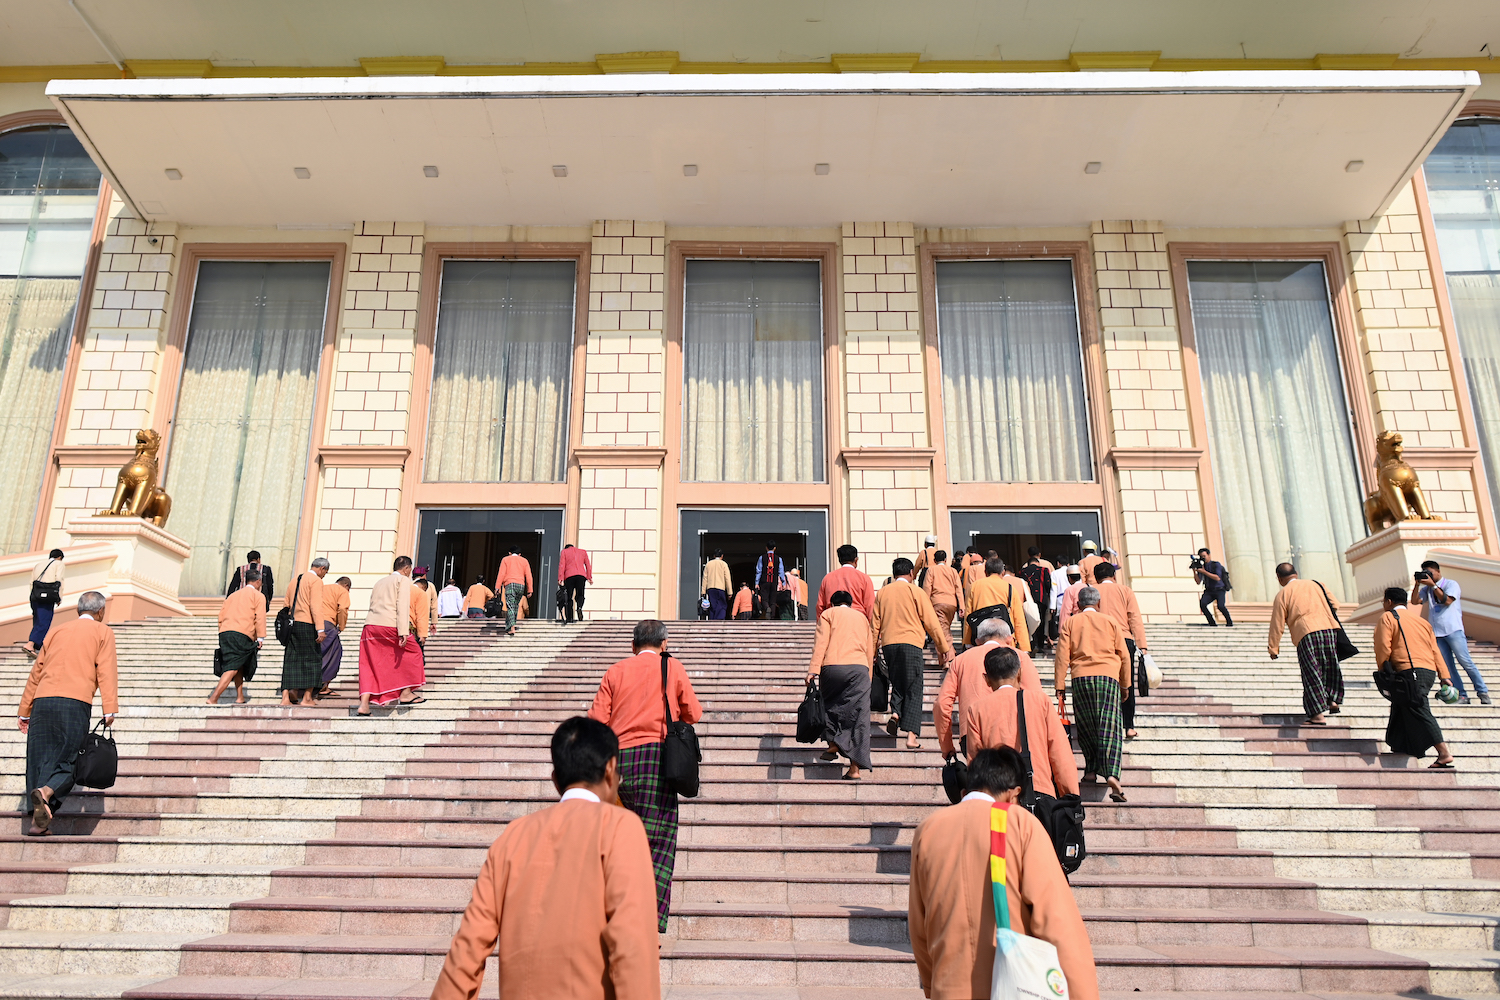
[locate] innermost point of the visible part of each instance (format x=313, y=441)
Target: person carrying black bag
x=648, y=701
x=77, y=659
x=46, y=595
x=1409, y=662
x=843, y=666
x=1305, y=607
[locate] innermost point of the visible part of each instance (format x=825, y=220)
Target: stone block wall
x=619, y=524
x=889, y=512
x=357, y=513
x=885, y=384
x=622, y=402
x=377, y=335
x=116, y=388
x=80, y=491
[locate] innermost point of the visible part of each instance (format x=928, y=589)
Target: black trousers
x=906, y=669
x=573, y=588
x=768, y=600
x=1039, y=637
x=1210, y=597
x=1127, y=707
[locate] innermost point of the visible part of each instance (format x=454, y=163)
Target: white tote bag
x=1153, y=672
x=1026, y=968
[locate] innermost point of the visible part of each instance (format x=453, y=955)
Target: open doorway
x=801, y=538
x=463, y=544
x=1059, y=534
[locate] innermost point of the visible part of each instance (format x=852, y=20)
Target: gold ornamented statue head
x=1398, y=495
x=136, y=492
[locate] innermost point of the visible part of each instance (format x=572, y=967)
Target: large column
x=620, y=460
x=888, y=455
x=1152, y=451
x=359, y=492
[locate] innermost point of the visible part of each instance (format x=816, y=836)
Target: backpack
x=1062, y=818
x=284, y=616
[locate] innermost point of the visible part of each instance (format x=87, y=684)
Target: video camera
x=1195, y=561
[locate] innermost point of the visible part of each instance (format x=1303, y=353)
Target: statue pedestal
x=1389, y=557
x=147, y=569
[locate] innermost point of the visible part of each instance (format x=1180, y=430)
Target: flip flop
x=415, y=701
x=41, y=816
x=1117, y=796
x=891, y=726
x=363, y=715
x=1311, y=722
x=829, y=755
x=1435, y=766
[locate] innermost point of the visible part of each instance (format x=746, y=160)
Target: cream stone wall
x=622, y=403
x=885, y=385
x=114, y=394
x=357, y=511
x=377, y=336
x=889, y=512
x=619, y=525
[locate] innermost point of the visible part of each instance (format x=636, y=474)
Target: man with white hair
x=302, y=664
x=77, y=659
x=964, y=682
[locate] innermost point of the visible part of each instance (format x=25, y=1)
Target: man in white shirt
x=450, y=601
x=1446, y=616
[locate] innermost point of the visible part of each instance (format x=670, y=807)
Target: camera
x=1422, y=576
x=1195, y=561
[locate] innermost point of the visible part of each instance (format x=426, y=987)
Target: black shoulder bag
x=284, y=617
x=98, y=762
x=680, y=753
x=955, y=778
x=46, y=593
x=812, y=718
x=1392, y=682
x=1062, y=818
x=1342, y=645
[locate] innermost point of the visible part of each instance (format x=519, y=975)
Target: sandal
x=41, y=816
x=891, y=726
x=829, y=755
x=1117, y=796
x=415, y=701
x=364, y=715
x=1316, y=722
x=1438, y=765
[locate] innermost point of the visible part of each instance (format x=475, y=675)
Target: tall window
x=500, y=372
x=49, y=190
x=244, y=415
x=1013, y=397
x=1278, y=422
x=1463, y=176
x=752, y=364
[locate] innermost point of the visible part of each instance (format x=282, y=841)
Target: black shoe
x=1229, y=624
x=1211, y=623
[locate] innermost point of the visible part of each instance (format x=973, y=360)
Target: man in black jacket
x=237, y=578
x=1215, y=580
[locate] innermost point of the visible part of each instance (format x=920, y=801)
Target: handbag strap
x=1331, y=608
x=665, y=704
x=1028, y=790
x=296, y=593
x=999, y=814
x=44, y=571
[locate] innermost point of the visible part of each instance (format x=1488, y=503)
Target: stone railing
x=1479, y=577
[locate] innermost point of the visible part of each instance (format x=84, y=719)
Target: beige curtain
x=501, y=372
x=1278, y=423
x=1476, y=311
x=1013, y=396
x=36, y=319
x=244, y=415
x=752, y=358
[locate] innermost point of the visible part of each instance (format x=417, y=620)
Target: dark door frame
x=693, y=521
x=545, y=521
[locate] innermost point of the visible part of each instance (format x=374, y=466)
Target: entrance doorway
x=801, y=538
x=464, y=543
x=1060, y=534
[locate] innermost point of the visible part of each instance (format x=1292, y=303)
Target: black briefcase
x=98, y=763
x=812, y=718
x=955, y=778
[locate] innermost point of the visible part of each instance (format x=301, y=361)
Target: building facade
x=468, y=311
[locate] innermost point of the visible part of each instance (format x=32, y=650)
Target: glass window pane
x=244, y=414
x=501, y=370
x=1278, y=422
x=752, y=364
x=48, y=195
x=1463, y=177
x=1014, y=409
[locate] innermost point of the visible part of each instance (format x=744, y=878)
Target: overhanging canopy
x=1257, y=149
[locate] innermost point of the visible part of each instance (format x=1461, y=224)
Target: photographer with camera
x=1215, y=579
x=1446, y=616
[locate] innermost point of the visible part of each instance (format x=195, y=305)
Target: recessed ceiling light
x=173, y=174
x=429, y=171
x=690, y=170
x=559, y=170
x=1353, y=166
x=301, y=173
x=820, y=169
x=1093, y=167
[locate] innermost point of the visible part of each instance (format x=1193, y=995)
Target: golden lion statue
x=136, y=492
x=1399, y=496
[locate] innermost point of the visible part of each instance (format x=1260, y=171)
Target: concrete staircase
x=309, y=853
